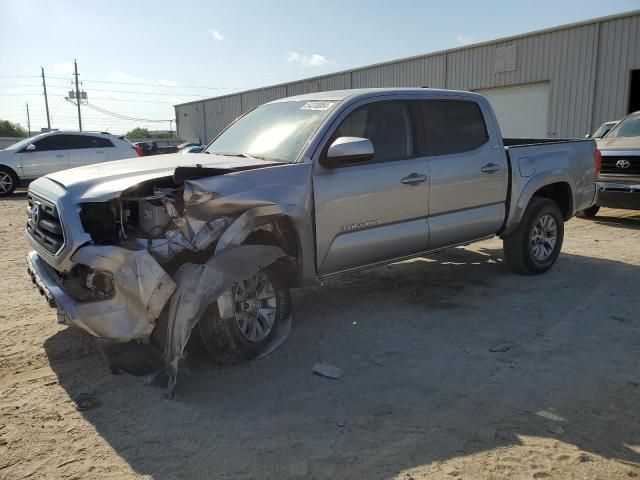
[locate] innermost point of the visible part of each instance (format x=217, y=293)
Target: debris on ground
x=550, y=416
x=450, y=470
x=557, y=429
x=501, y=347
x=326, y=370
x=86, y=401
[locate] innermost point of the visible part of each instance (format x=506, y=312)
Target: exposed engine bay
x=212, y=248
x=181, y=229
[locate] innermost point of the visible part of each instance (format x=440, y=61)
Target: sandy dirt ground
x=453, y=368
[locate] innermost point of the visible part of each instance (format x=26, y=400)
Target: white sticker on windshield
x=317, y=105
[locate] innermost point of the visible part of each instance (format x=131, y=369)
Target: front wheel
x=8, y=181
x=534, y=246
x=242, y=322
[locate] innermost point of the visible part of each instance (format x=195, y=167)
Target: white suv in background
x=53, y=151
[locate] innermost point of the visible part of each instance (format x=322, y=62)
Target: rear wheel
x=8, y=181
x=244, y=320
x=534, y=246
x=589, y=212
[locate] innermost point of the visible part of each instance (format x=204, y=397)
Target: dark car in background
x=145, y=149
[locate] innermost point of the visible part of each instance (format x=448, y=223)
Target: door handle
x=414, y=179
x=490, y=168
x=60, y=155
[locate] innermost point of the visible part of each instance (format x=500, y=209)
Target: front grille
x=43, y=224
x=614, y=165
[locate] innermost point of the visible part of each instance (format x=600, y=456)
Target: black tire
x=518, y=246
x=6, y=174
x=223, y=338
x=589, y=212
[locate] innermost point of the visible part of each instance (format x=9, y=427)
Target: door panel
x=365, y=214
x=465, y=201
x=84, y=150
x=36, y=164
x=468, y=171
x=464, y=225
x=372, y=212
x=86, y=156
x=51, y=155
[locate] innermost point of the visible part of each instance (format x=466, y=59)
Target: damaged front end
x=163, y=252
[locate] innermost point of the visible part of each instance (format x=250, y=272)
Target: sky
x=136, y=59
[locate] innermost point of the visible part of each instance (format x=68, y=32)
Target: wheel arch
x=285, y=226
x=556, y=186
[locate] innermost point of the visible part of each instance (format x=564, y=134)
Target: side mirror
x=588, y=135
x=347, y=151
x=30, y=148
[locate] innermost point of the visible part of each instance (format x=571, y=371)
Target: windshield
x=604, y=128
x=629, y=127
x=276, y=131
x=23, y=143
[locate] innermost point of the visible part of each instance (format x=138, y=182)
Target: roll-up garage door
x=522, y=110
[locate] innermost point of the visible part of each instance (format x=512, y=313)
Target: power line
x=158, y=85
x=118, y=115
x=138, y=83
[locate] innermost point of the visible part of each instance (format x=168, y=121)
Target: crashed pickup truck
x=142, y=251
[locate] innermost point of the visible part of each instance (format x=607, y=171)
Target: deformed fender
x=519, y=204
x=200, y=285
x=256, y=217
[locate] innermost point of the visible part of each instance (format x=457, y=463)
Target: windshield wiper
x=243, y=155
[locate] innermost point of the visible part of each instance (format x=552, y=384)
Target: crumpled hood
x=105, y=181
x=619, y=143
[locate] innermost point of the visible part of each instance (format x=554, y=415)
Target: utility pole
x=46, y=101
x=28, y=120
x=78, y=95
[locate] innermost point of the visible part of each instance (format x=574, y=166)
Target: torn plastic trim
x=201, y=285
x=142, y=288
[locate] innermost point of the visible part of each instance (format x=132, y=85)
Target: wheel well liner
x=560, y=193
x=280, y=233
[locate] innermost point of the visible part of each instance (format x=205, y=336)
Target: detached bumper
x=618, y=195
x=141, y=290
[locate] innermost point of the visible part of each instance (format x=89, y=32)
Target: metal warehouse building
x=559, y=82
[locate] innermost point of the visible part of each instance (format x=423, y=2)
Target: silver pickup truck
x=294, y=192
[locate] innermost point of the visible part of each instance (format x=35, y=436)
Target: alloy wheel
x=544, y=237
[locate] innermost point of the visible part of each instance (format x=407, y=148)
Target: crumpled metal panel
x=200, y=285
x=142, y=288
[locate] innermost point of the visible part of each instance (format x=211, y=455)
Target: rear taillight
x=138, y=151
x=598, y=160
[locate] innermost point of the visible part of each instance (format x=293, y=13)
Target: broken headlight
x=100, y=284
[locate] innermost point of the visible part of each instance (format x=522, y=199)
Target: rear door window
x=386, y=124
x=445, y=127
x=100, y=142
x=76, y=142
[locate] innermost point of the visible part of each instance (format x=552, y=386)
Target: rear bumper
x=618, y=195
x=142, y=288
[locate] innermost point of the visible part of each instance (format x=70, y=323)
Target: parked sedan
x=50, y=152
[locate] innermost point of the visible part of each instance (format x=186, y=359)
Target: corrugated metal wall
x=619, y=53
x=588, y=67
x=190, y=121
